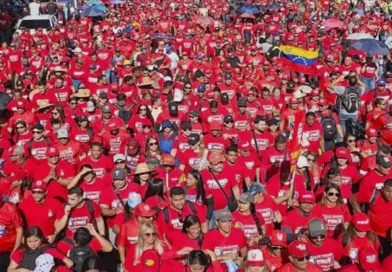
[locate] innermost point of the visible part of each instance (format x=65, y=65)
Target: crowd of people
x=179, y=136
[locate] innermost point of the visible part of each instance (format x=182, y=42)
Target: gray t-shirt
x=340, y=91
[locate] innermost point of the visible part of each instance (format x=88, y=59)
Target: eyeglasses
x=277, y=248
x=303, y=259
x=152, y=144
x=37, y=132
x=119, y=162
x=150, y=234
x=144, y=109
x=37, y=192
x=333, y=194
x=318, y=237
x=350, y=141
x=187, y=88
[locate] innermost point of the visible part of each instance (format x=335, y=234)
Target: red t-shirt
x=42, y=214
x=267, y=208
x=247, y=223
x=333, y=216
x=295, y=221
x=221, y=245
x=10, y=220
x=326, y=254
x=79, y=217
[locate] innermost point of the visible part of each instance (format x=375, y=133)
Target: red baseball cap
x=215, y=126
x=52, y=152
x=21, y=104
x=278, y=238
x=368, y=259
x=371, y=132
x=307, y=198
x=244, y=145
x=361, y=222
x=150, y=260
x=39, y=184
x=342, y=152
x=144, y=210
x=298, y=249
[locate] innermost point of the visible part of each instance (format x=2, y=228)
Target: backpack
x=329, y=127
x=166, y=145
x=355, y=128
x=165, y=210
x=29, y=257
x=79, y=254
x=124, y=113
x=350, y=99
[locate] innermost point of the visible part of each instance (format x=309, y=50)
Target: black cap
x=271, y=122
x=383, y=161
x=186, y=125
x=103, y=95
x=242, y=103
x=193, y=139
x=39, y=127
x=228, y=119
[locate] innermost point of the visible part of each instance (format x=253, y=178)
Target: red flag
x=294, y=142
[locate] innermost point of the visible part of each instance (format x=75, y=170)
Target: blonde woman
x=147, y=243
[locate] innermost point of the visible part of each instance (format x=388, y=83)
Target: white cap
x=167, y=78
x=77, y=50
x=119, y=157
x=44, y=263
x=62, y=133
x=302, y=162
x=90, y=106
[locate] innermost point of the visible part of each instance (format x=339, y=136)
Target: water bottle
x=120, y=268
x=231, y=266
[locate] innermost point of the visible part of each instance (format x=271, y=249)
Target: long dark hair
x=33, y=231
x=256, y=219
x=200, y=192
x=155, y=188
x=198, y=257
x=189, y=221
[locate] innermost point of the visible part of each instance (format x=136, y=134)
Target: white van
x=33, y=22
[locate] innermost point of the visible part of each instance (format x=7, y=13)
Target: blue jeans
x=370, y=83
x=343, y=117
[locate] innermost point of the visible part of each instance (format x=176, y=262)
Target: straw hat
x=82, y=93
x=142, y=168
x=43, y=104
x=146, y=81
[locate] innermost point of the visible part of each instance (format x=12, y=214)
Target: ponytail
x=256, y=219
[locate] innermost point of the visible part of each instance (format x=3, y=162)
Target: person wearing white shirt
x=174, y=58
x=34, y=8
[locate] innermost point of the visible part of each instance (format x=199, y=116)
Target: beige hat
x=43, y=104
x=142, y=168
x=82, y=93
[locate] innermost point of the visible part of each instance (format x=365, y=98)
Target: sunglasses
x=73, y=103
x=119, y=162
x=152, y=144
x=150, y=234
x=318, y=237
x=303, y=259
x=146, y=126
x=37, y=132
x=350, y=141
x=19, y=127
x=37, y=192
x=277, y=248
x=333, y=194
x=143, y=109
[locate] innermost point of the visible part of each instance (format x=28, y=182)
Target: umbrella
x=371, y=47
x=359, y=36
x=247, y=16
x=92, y=11
x=332, y=23
x=249, y=9
x=117, y=2
x=205, y=21
x=273, y=6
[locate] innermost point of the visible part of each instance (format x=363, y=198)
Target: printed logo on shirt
x=215, y=147
x=100, y=172
x=67, y=155
x=222, y=250
x=250, y=164
x=324, y=260
x=176, y=223
x=50, y=213
x=249, y=230
x=346, y=180
x=212, y=184
x=262, y=144
x=39, y=153
x=77, y=222
x=332, y=220
x=3, y=231
x=312, y=136
x=268, y=215
x=276, y=159
x=115, y=144
x=93, y=195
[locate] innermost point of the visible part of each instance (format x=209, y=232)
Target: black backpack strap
x=257, y=146
x=191, y=206
x=90, y=207
x=166, y=215
x=374, y=197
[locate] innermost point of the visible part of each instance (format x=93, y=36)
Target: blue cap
x=256, y=188
x=134, y=199
x=381, y=83
x=166, y=124
x=201, y=88
x=169, y=49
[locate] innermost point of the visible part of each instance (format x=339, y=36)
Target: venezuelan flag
x=298, y=59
